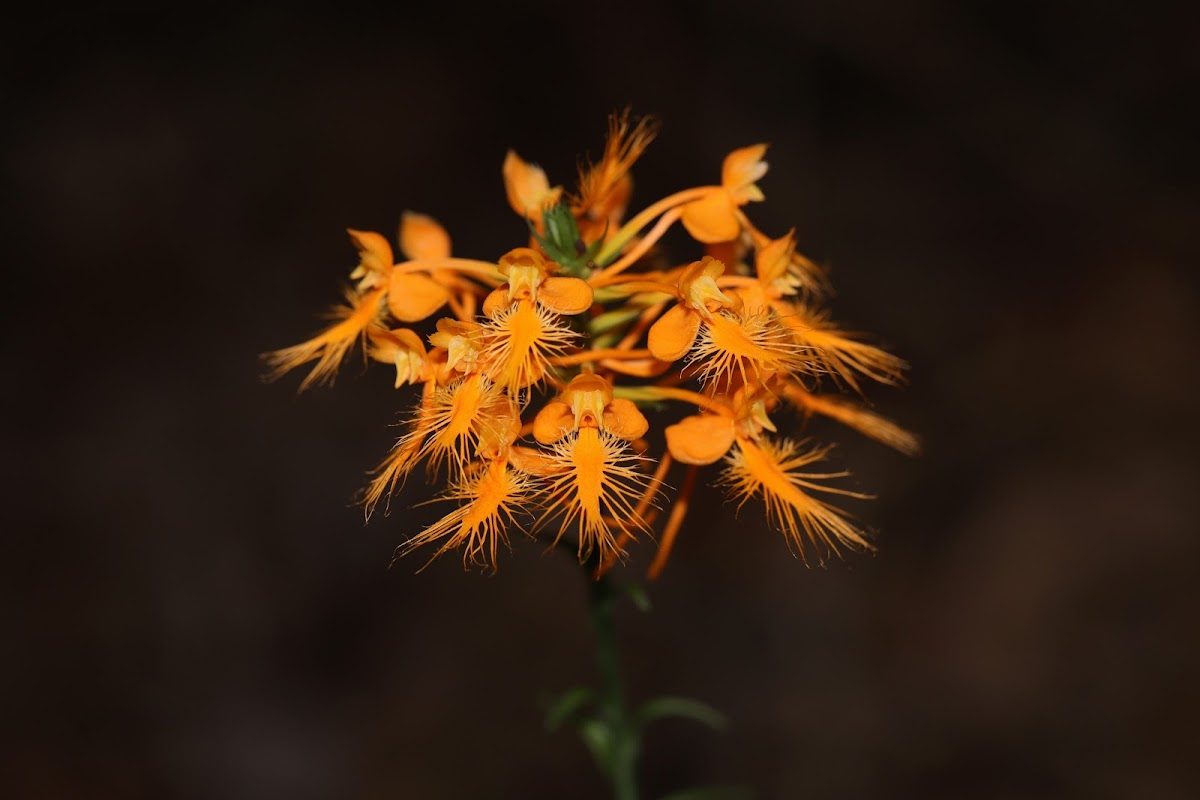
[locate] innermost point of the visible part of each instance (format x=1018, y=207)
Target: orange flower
x=375, y=259
x=530, y=277
x=775, y=266
x=529, y=192
x=594, y=481
x=727, y=343
x=831, y=349
x=773, y=471
x=588, y=402
x=524, y=330
x=520, y=343
x=363, y=309
x=605, y=187
x=447, y=427
x=839, y=352
x=747, y=347
x=713, y=217
x=703, y=438
x=781, y=269
x=411, y=292
x=854, y=416
x=416, y=295
x=463, y=343
x=402, y=348
x=673, y=335
x=760, y=467
x=492, y=499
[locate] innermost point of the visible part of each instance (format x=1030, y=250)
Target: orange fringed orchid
x=760, y=466
x=528, y=190
x=405, y=351
x=606, y=186
x=413, y=296
x=536, y=371
x=714, y=217
x=410, y=292
x=530, y=277
x=593, y=475
x=731, y=340
x=364, y=308
x=524, y=317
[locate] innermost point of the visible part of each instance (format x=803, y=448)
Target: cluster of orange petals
x=536, y=376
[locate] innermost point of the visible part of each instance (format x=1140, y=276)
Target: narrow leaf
x=684, y=707
x=598, y=737
x=568, y=704
x=613, y=319
x=639, y=597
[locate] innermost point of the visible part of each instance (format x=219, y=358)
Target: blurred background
x=1006, y=196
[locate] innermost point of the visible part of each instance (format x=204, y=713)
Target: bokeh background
x=1005, y=194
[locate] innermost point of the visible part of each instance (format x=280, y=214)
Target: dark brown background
x=1007, y=197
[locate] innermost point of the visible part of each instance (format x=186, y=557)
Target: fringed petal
x=330, y=346
x=840, y=352
x=532, y=460
x=604, y=187
x=521, y=340
x=491, y=500
x=770, y=470
x=853, y=415
x=596, y=485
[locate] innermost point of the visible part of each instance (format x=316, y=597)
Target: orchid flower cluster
x=540, y=368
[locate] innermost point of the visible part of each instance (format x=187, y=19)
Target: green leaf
x=608, y=294
x=590, y=253
x=598, y=737
x=684, y=707
x=613, y=319
x=639, y=597
x=712, y=793
x=568, y=704
x=606, y=340
x=562, y=242
x=643, y=397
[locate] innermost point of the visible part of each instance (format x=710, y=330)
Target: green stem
x=602, y=602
